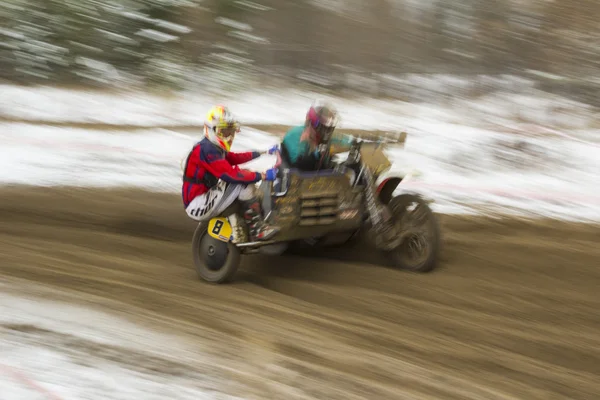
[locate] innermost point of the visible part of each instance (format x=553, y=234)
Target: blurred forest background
x=373, y=47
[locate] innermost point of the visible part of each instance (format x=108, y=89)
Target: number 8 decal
x=218, y=225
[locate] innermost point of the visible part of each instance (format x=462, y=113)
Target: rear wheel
x=215, y=261
x=420, y=247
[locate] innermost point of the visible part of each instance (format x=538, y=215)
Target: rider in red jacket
x=212, y=179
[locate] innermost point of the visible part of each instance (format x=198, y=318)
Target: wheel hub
x=213, y=252
x=416, y=246
x=413, y=227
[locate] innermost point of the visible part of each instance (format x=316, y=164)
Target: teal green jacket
x=298, y=149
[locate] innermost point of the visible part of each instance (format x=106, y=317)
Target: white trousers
x=217, y=199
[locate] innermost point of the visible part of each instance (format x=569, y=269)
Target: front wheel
x=420, y=230
x=215, y=261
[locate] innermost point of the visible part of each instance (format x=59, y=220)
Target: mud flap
x=220, y=229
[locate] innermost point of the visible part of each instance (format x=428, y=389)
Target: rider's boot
x=259, y=230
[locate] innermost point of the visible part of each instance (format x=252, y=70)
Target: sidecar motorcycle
x=328, y=207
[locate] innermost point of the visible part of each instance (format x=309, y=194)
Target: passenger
x=212, y=180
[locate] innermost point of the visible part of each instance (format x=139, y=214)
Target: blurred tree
x=175, y=42
x=492, y=32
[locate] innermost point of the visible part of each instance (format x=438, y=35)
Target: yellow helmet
x=220, y=127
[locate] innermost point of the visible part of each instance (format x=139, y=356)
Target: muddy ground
x=513, y=311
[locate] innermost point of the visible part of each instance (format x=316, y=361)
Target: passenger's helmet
x=323, y=118
x=220, y=127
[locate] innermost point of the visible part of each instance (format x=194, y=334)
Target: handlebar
x=401, y=138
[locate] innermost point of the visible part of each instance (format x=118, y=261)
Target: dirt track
x=513, y=312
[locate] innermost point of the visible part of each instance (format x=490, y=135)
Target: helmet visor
x=229, y=130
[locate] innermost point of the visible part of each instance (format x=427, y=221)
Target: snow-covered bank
x=517, y=153
x=288, y=106
x=462, y=168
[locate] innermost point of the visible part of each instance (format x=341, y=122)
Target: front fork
x=373, y=206
x=386, y=233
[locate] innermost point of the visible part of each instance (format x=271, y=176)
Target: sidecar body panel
x=312, y=204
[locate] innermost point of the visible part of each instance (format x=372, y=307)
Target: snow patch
x=52, y=350
x=157, y=35
x=233, y=24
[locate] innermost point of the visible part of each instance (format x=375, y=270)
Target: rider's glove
x=270, y=174
x=273, y=149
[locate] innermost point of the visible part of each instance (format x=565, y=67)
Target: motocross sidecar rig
x=326, y=207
